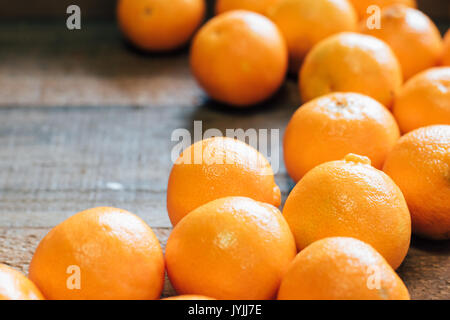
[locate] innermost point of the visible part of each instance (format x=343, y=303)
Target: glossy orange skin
x=259, y=6
x=350, y=198
x=232, y=248
x=446, y=56
x=362, y=5
x=239, y=170
x=160, y=25
x=239, y=58
x=350, y=62
x=332, y=126
x=420, y=165
x=189, y=297
x=424, y=100
x=118, y=255
x=413, y=37
x=15, y=286
x=341, y=269
x=304, y=23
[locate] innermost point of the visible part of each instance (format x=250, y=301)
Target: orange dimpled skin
x=350, y=198
x=188, y=297
x=239, y=58
x=159, y=25
x=420, y=165
x=424, y=100
x=259, y=6
x=15, y=286
x=304, y=23
x=361, y=6
x=230, y=249
x=351, y=62
x=216, y=168
x=413, y=37
x=99, y=254
x=446, y=56
x=332, y=126
x=341, y=269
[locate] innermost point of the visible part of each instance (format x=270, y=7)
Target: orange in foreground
x=216, y=168
x=420, y=165
x=413, y=37
x=231, y=249
x=240, y=58
x=446, y=57
x=341, y=269
x=424, y=100
x=351, y=62
x=350, y=198
x=189, y=297
x=15, y=286
x=361, y=6
x=259, y=6
x=304, y=23
x=159, y=25
x=332, y=126
x=99, y=254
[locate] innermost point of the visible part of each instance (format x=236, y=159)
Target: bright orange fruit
x=259, y=6
x=15, y=286
x=446, y=57
x=361, y=6
x=189, y=297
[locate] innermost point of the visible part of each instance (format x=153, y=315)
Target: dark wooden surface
x=86, y=121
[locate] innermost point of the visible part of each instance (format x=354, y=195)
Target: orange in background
x=420, y=165
x=304, y=23
x=259, y=6
x=446, y=58
x=159, y=25
x=114, y=254
x=362, y=5
x=240, y=58
x=350, y=198
x=341, y=269
x=230, y=249
x=424, y=100
x=351, y=62
x=15, y=286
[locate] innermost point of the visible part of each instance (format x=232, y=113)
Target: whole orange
x=446, y=57
x=240, y=58
x=420, y=165
x=350, y=198
x=304, y=23
x=159, y=25
x=351, y=62
x=189, y=297
x=232, y=248
x=332, y=126
x=341, y=269
x=259, y=6
x=216, y=168
x=99, y=254
x=361, y=6
x=15, y=286
x=413, y=37
x=424, y=100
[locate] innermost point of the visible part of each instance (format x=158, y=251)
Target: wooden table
x=86, y=121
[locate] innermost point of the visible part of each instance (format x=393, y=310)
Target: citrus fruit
x=413, y=37
x=334, y=125
x=99, y=254
x=304, y=23
x=424, y=100
x=188, y=297
x=420, y=165
x=351, y=62
x=350, y=198
x=361, y=6
x=15, y=286
x=233, y=248
x=446, y=58
x=159, y=25
x=216, y=168
x=239, y=58
x=341, y=269
x=259, y=6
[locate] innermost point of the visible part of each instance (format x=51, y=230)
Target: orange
x=159, y=25
x=99, y=254
x=350, y=62
x=304, y=23
x=232, y=248
x=240, y=58
x=420, y=165
x=361, y=6
x=424, y=100
x=216, y=168
x=341, y=269
x=189, y=297
x=15, y=286
x=332, y=126
x=350, y=198
x=446, y=57
x=259, y=6
x=413, y=37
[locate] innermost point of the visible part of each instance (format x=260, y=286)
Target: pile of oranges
x=369, y=151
